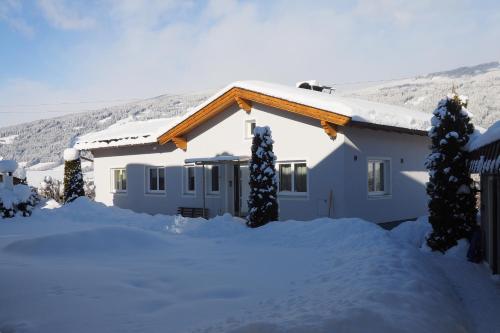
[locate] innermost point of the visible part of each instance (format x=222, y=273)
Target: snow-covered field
x=85, y=267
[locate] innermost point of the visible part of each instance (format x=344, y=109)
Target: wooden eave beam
x=246, y=97
x=329, y=129
x=206, y=113
x=293, y=107
x=243, y=104
x=180, y=143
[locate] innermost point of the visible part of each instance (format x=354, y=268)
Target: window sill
x=156, y=193
x=292, y=196
x=379, y=196
x=119, y=192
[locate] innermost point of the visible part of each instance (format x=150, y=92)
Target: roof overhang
x=217, y=160
x=244, y=98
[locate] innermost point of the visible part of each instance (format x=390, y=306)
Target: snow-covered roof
x=131, y=132
x=491, y=135
x=125, y=133
x=357, y=109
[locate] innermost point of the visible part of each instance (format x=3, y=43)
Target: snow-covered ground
x=85, y=267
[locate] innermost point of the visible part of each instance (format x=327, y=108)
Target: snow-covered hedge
x=51, y=188
x=18, y=201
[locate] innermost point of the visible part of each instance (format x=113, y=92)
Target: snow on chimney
x=314, y=85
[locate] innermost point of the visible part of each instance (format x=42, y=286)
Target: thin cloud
x=10, y=13
x=147, y=48
x=60, y=15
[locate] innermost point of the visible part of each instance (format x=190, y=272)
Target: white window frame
x=148, y=180
x=293, y=193
x=208, y=178
x=248, y=128
x=113, y=189
x=387, y=193
x=185, y=180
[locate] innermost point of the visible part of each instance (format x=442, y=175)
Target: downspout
x=204, y=190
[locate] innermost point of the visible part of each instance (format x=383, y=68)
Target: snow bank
x=413, y=232
x=216, y=275
x=8, y=166
x=71, y=154
x=102, y=241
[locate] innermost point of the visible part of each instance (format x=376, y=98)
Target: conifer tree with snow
x=452, y=204
x=262, y=201
x=73, y=178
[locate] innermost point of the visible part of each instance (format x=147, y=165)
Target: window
x=1, y=178
x=189, y=179
x=119, y=177
x=249, y=128
x=293, y=177
x=155, y=179
x=378, y=177
x=213, y=179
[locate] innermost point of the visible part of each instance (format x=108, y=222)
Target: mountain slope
x=43, y=141
x=480, y=83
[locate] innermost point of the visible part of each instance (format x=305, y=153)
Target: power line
x=373, y=81
x=71, y=103
x=138, y=99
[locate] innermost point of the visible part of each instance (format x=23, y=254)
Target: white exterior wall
x=296, y=138
x=331, y=168
x=407, y=198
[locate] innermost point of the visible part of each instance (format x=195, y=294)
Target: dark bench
x=192, y=212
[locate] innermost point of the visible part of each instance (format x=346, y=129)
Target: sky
x=61, y=56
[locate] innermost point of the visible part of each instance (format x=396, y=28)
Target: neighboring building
x=336, y=157
x=485, y=160
x=7, y=169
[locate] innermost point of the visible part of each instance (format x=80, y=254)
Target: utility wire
x=70, y=103
x=138, y=99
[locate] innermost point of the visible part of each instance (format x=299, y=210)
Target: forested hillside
x=44, y=140
x=480, y=83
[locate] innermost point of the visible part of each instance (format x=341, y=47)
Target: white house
x=336, y=157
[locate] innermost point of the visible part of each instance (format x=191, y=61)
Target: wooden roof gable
x=244, y=98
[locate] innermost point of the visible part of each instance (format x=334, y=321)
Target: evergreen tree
x=73, y=179
x=262, y=202
x=452, y=205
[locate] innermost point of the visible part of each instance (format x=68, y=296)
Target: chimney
x=314, y=85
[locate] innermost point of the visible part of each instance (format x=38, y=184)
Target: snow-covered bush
x=20, y=200
x=452, y=205
x=262, y=201
x=73, y=178
x=89, y=188
x=51, y=189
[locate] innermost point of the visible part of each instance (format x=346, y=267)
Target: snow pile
x=413, y=232
x=359, y=110
x=71, y=154
x=491, y=135
x=125, y=133
x=101, y=241
x=19, y=194
x=215, y=276
x=7, y=166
